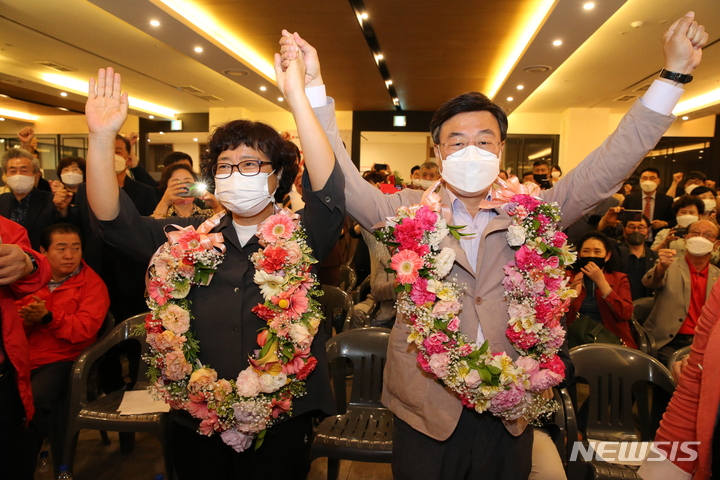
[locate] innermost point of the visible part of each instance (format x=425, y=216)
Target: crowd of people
x=76, y=248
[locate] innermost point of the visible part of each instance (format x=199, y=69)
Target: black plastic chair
x=348, y=278
x=364, y=431
x=337, y=308
x=101, y=413
x=677, y=355
x=645, y=342
x=620, y=378
x=642, y=308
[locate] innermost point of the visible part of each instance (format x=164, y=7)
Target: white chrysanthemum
x=270, y=285
x=515, y=235
x=437, y=236
x=444, y=262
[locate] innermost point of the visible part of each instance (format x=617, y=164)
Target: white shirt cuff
x=662, y=97
x=317, y=96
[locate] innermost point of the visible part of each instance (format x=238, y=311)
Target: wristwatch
x=675, y=76
x=33, y=261
x=47, y=318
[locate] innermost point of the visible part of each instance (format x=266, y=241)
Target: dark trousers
x=680, y=341
x=12, y=426
x=49, y=386
x=479, y=448
x=284, y=454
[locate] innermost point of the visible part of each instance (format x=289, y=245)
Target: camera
x=196, y=189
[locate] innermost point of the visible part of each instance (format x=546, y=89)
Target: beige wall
x=399, y=156
x=67, y=124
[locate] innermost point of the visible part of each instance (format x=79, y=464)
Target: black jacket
x=662, y=209
x=41, y=213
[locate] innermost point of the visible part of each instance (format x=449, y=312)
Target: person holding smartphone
x=179, y=188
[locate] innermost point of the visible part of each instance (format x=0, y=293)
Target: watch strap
x=33, y=261
x=47, y=318
x=675, y=76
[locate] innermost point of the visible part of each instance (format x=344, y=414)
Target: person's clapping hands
x=33, y=312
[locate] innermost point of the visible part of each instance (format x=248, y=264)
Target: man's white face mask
x=120, y=164
x=470, y=170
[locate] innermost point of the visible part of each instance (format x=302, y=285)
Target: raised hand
x=290, y=75
x=291, y=44
x=62, y=199
x=106, y=107
x=665, y=258
x=26, y=135
x=682, y=44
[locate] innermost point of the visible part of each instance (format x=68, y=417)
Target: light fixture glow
x=589, y=6
x=263, y=88
x=63, y=94
x=18, y=115
x=685, y=117
x=557, y=43
x=379, y=56
x=81, y=87
x=154, y=23
x=2, y=119
x=281, y=99
x=364, y=16
x=388, y=82
x=195, y=139
x=199, y=17
x=161, y=133
x=510, y=99
x=396, y=101
x=151, y=117
x=524, y=33
x=701, y=101
x=520, y=87
x=198, y=49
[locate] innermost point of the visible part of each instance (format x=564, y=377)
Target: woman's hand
x=594, y=273
x=290, y=74
x=106, y=107
x=577, y=283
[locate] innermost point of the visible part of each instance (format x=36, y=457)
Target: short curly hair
x=283, y=155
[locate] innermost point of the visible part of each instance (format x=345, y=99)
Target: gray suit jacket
x=408, y=391
x=672, y=299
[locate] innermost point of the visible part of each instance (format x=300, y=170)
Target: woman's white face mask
x=470, y=170
x=245, y=196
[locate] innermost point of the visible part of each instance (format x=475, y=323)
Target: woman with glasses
x=252, y=168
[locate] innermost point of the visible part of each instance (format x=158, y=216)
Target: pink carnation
x=238, y=441
x=559, y=239
x=210, y=424
x=176, y=367
x=557, y=337
x=419, y=293
x=529, y=365
x=454, y=324
x=426, y=219
x=507, y=399
x=522, y=339
x=422, y=361
x=527, y=258
x=444, y=307
x=406, y=264
x=555, y=364
x=544, y=379
x=527, y=201
x=439, y=364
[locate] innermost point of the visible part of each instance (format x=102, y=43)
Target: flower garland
x=535, y=289
x=238, y=409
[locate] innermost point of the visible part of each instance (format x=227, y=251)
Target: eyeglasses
x=486, y=145
x=709, y=236
x=246, y=168
x=639, y=228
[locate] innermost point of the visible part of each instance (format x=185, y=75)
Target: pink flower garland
x=241, y=409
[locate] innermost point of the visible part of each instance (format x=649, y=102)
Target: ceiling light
x=151, y=117
x=524, y=32
x=195, y=139
x=154, y=23
x=520, y=87
x=3, y=95
x=198, y=49
x=557, y=43
x=510, y=99
x=18, y=115
x=685, y=117
x=2, y=120
x=396, y=101
x=281, y=99
x=364, y=16
x=263, y=88
x=199, y=17
x=161, y=133
x=589, y=6
x=148, y=139
x=388, y=82
x=379, y=56
x=63, y=109
x=63, y=94
x=701, y=101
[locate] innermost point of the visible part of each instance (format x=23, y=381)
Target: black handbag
x=585, y=330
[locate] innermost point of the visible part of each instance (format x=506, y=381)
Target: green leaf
x=485, y=375
x=494, y=370
x=259, y=439
x=484, y=348
x=389, y=270
x=399, y=288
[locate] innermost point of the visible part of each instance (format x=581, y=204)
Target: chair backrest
x=106, y=327
x=619, y=377
x=642, y=308
x=677, y=355
x=336, y=307
x=361, y=292
x=348, y=278
x=366, y=349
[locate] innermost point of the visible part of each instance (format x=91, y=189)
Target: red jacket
x=615, y=310
x=14, y=341
x=692, y=412
x=78, y=308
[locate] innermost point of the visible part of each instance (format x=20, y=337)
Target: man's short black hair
x=47, y=234
x=699, y=190
x=174, y=157
x=414, y=169
x=125, y=141
x=467, y=102
x=540, y=162
x=650, y=169
x=695, y=175
x=687, y=201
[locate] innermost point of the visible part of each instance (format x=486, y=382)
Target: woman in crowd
x=555, y=174
x=688, y=209
x=252, y=168
x=71, y=171
x=611, y=300
x=707, y=195
x=178, y=190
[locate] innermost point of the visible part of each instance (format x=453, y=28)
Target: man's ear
x=43, y=251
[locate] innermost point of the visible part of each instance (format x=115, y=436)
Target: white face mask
x=425, y=184
x=471, y=170
x=690, y=188
x=685, y=220
x=648, y=186
x=416, y=182
x=71, y=179
x=245, y=196
x=21, y=183
x=120, y=164
x=710, y=204
x=699, y=246
x=555, y=175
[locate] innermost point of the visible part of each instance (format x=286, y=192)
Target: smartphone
x=545, y=184
x=631, y=216
x=680, y=231
x=380, y=166
x=196, y=189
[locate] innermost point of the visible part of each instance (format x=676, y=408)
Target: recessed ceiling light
x=2, y=119
x=63, y=94
x=2, y=140
x=685, y=117
x=63, y=109
x=198, y=49
x=235, y=72
x=161, y=133
x=195, y=139
x=557, y=43
x=364, y=16
x=379, y=56
x=520, y=87
x=388, y=82
x=263, y=88
x=154, y=23
x=151, y=117
x=281, y=99
x=589, y=6
x=510, y=99
x=396, y=101
x=149, y=140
